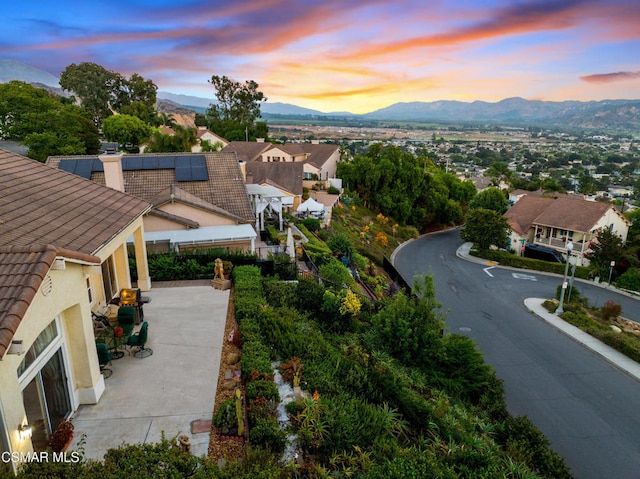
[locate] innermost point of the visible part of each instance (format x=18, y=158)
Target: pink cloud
x=610, y=77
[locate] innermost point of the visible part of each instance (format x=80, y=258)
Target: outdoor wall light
x=25, y=430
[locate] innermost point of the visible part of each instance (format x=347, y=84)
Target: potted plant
x=62, y=435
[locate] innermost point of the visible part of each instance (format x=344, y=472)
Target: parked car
x=542, y=252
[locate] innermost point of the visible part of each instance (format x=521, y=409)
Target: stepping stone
x=198, y=426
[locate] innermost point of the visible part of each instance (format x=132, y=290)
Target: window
x=89, y=290
x=46, y=400
x=43, y=340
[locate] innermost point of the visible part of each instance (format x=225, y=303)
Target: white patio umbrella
x=291, y=249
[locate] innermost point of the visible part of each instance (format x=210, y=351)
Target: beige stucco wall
x=200, y=216
x=117, y=248
x=620, y=226
x=68, y=300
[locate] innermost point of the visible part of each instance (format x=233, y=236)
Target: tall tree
x=609, y=247
x=104, y=92
x=94, y=85
x=486, y=228
x=237, y=108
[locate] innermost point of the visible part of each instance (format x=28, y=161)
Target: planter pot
x=67, y=444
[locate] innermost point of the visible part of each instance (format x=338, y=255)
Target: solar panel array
x=187, y=168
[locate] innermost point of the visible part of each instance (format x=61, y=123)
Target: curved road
x=587, y=408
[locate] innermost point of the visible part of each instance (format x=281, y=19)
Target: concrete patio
x=169, y=390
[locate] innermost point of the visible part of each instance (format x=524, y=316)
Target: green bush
x=225, y=417
x=332, y=190
x=267, y=434
x=629, y=280
x=505, y=258
x=266, y=389
x=255, y=362
x=312, y=224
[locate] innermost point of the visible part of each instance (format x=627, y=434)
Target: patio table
x=113, y=342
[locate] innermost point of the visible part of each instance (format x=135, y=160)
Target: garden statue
x=218, y=269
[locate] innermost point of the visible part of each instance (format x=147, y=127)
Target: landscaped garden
x=376, y=392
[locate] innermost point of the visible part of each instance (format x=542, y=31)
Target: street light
x=564, y=281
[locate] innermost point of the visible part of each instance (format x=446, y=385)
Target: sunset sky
x=336, y=55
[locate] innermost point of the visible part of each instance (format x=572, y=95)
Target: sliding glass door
x=46, y=399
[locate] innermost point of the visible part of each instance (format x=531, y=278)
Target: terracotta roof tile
x=287, y=175
x=22, y=270
x=40, y=204
x=564, y=212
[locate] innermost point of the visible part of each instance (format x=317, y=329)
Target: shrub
x=630, y=280
x=226, y=419
x=610, y=310
x=266, y=389
x=332, y=190
x=312, y=224
x=267, y=434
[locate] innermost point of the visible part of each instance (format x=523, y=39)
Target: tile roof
x=46, y=213
x=564, y=212
x=224, y=189
x=250, y=151
x=247, y=150
x=40, y=204
x=22, y=271
x=285, y=175
x=174, y=193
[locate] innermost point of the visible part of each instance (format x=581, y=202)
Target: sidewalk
x=534, y=305
x=171, y=392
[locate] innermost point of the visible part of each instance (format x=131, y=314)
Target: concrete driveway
x=169, y=390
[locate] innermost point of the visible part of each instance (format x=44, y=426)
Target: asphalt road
x=587, y=408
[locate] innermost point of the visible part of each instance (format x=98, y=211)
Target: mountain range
x=613, y=115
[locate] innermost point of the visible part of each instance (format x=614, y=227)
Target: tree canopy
x=104, y=92
x=486, y=228
x=412, y=190
x=491, y=199
x=125, y=129
x=44, y=123
x=237, y=108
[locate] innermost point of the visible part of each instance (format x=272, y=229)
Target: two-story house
x=553, y=222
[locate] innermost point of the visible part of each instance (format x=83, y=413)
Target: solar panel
x=183, y=172
x=67, y=165
x=199, y=172
x=166, y=162
x=132, y=163
x=84, y=168
x=97, y=165
x=150, y=163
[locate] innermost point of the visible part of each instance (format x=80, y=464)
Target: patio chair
x=126, y=315
x=138, y=340
x=104, y=359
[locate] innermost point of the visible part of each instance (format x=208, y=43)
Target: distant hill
x=14, y=70
x=613, y=115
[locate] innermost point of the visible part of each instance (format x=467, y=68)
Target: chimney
x=113, y=171
x=243, y=169
x=259, y=140
x=315, y=142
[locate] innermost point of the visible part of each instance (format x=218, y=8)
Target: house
x=63, y=254
x=204, y=134
x=198, y=200
x=319, y=162
x=553, y=222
